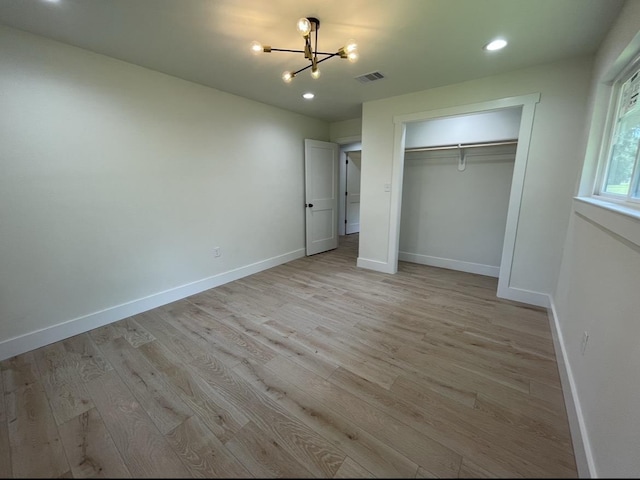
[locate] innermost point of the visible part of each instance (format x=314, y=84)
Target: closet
x=456, y=188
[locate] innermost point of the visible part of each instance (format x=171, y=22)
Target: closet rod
x=466, y=145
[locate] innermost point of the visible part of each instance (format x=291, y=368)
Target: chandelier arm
x=286, y=50
x=300, y=51
x=329, y=55
x=301, y=70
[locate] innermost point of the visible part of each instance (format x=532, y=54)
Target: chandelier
x=307, y=26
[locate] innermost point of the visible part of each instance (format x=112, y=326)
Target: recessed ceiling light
x=497, y=44
x=308, y=96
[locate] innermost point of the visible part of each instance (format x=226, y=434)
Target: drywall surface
x=117, y=182
x=551, y=169
x=456, y=215
x=346, y=131
x=598, y=294
x=480, y=127
x=598, y=289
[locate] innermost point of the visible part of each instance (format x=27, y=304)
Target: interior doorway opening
x=353, y=150
x=527, y=104
x=455, y=192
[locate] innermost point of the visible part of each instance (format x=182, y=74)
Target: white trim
x=523, y=296
x=579, y=436
x=451, y=264
x=376, y=265
x=528, y=104
x=619, y=219
x=39, y=338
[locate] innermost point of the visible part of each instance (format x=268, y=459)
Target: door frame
x=528, y=104
x=351, y=144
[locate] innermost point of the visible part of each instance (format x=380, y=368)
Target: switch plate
x=387, y=187
x=216, y=252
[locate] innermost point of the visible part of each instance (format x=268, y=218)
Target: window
x=622, y=172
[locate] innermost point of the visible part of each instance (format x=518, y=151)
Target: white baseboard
x=376, y=265
x=451, y=264
x=579, y=436
x=39, y=338
x=525, y=296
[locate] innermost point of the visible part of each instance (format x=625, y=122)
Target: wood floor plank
x=104, y=334
x=202, y=453
x=223, y=418
x=162, y=405
x=263, y=456
x=350, y=469
x=5, y=449
x=303, y=443
x=90, y=448
x=86, y=357
x=36, y=450
x=287, y=346
x=67, y=393
x=367, y=449
x=144, y=450
x=464, y=439
x=356, y=364
x=132, y=332
x=526, y=439
x=19, y=371
x=421, y=449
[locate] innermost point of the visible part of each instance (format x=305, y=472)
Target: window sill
x=619, y=219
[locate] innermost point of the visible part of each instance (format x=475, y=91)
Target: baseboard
x=376, y=265
x=579, y=436
x=39, y=338
x=450, y=263
x=524, y=296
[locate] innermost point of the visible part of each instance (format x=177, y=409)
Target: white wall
x=480, y=127
x=117, y=182
x=598, y=290
x=456, y=219
x=346, y=131
x=552, y=165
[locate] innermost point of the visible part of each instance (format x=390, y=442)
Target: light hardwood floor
x=311, y=369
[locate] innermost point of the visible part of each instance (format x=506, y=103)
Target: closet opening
x=456, y=187
x=465, y=197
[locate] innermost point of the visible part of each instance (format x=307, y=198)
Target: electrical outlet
x=585, y=339
x=216, y=252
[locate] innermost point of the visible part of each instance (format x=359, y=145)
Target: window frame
x=615, y=104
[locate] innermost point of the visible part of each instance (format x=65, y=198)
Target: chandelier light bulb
x=304, y=27
x=256, y=47
x=350, y=46
x=353, y=56
x=287, y=77
x=315, y=73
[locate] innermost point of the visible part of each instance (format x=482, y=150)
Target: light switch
x=387, y=187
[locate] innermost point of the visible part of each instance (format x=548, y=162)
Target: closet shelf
x=462, y=145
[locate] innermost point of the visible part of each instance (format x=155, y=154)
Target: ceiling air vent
x=370, y=77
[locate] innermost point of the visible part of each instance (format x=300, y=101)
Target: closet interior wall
x=455, y=201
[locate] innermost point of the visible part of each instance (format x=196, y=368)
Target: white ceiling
x=416, y=44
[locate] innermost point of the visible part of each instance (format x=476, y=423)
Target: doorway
x=528, y=104
x=455, y=192
x=352, y=194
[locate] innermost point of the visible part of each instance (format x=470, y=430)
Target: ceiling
x=416, y=44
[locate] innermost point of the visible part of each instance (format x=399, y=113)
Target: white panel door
x=353, y=193
x=321, y=195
